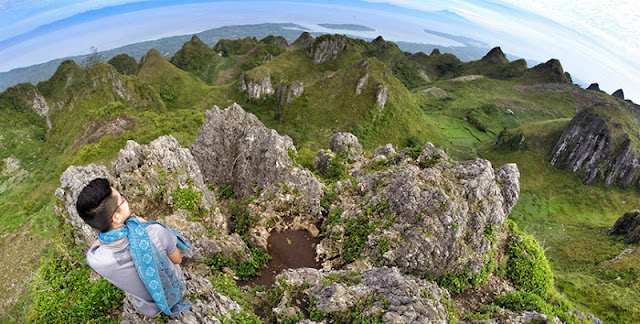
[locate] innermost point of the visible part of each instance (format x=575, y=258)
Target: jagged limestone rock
x=235, y=150
x=602, y=141
x=429, y=214
x=345, y=142
x=396, y=297
x=388, y=151
x=327, y=47
x=381, y=95
x=295, y=90
x=256, y=89
x=362, y=83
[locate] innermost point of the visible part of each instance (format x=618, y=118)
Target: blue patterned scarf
x=155, y=272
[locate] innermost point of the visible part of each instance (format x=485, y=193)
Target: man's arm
x=176, y=257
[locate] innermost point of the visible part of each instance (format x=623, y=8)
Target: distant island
x=347, y=27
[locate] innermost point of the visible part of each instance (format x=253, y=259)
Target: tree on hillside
x=93, y=59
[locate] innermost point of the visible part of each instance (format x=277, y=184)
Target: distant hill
x=168, y=46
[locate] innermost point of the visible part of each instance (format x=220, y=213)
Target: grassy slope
x=570, y=220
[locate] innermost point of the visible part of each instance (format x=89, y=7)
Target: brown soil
x=469, y=300
x=288, y=250
x=100, y=128
x=20, y=253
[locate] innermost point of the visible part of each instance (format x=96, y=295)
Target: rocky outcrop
x=594, y=87
x=425, y=216
x=345, y=142
x=361, y=84
x=435, y=52
x=235, y=150
x=381, y=95
x=627, y=225
x=383, y=292
x=326, y=48
x=601, y=142
x=618, y=94
x=257, y=88
x=295, y=90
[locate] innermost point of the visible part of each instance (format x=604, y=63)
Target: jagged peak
x=378, y=40
x=618, y=94
x=495, y=56
x=435, y=52
x=303, y=40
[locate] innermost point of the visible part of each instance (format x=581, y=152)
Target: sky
x=596, y=41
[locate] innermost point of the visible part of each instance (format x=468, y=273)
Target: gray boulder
x=387, y=151
x=346, y=142
x=397, y=298
x=627, y=225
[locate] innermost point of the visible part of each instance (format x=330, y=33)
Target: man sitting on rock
x=140, y=258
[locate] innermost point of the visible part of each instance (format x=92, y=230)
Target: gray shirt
x=114, y=263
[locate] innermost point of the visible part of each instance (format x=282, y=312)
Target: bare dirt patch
x=20, y=253
x=101, y=128
x=288, y=250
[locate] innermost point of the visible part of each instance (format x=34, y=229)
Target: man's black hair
x=96, y=205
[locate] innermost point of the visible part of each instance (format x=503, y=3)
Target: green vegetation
x=527, y=267
x=62, y=291
x=244, y=270
x=359, y=228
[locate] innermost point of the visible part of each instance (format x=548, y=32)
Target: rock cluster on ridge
x=327, y=47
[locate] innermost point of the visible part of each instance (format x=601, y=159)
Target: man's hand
x=176, y=257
